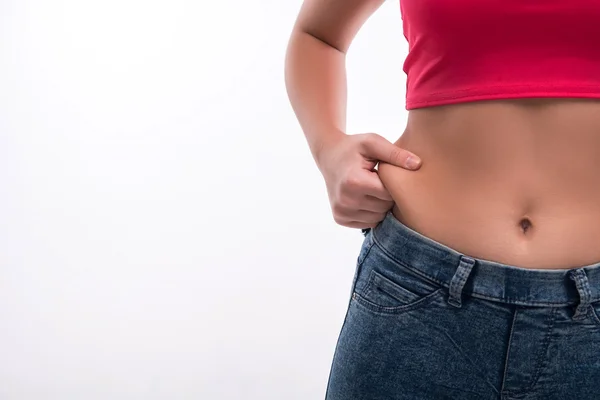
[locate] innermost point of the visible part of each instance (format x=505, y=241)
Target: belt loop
x=585, y=294
x=458, y=280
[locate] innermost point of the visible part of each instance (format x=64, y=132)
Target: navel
x=525, y=224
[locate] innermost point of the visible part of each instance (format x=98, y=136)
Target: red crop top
x=466, y=50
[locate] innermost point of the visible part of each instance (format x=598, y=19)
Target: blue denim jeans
x=425, y=321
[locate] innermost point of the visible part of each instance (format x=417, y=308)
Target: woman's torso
x=512, y=181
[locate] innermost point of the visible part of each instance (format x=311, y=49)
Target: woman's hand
x=357, y=196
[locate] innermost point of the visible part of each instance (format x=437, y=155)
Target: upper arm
x=335, y=22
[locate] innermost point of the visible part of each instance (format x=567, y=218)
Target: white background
x=164, y=232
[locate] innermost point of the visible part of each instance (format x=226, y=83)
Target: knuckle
x=343, y=189
x=338, y=219
x=350, y=182
x=367, y=141
x=338, y=209
x=347, y=203
x=397, y=156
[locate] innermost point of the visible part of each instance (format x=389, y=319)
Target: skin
x=512, y=181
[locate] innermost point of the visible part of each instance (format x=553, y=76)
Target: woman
x=479, y=273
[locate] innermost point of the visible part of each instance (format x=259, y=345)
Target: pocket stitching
x=396, y=286
x=405, y=265
x=360, y=300
x=369, y=283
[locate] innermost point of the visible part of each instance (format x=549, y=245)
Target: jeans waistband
x=485, y=278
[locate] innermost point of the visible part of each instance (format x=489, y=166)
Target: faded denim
x=425, y=321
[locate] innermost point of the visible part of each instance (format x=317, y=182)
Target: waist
x=514, y=182
x=485, y=279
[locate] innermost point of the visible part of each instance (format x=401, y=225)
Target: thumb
x=377, y=147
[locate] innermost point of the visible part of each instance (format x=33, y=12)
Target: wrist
x=326, y=142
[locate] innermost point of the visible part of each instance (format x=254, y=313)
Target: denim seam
x=398, y=310
x=336, y=346
x=594, y=313
x=508, y=348
x=477, y=369
x=405, y=265
x=542, y=361
x=369, y=283
x=361, y=262
x=359, y=265
x=374, y=275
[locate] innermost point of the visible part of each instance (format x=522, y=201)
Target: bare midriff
x=511, y=181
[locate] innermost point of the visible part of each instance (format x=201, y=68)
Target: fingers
x=361, y=210
x=357, y=195
x=374, y=187
x=370, y=203
x=362, y=202
x=360, y=219
x=376, y=147
x=360, y=225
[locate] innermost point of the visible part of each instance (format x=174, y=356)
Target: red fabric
x=465, y=50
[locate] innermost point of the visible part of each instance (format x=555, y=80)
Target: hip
x=426, y=322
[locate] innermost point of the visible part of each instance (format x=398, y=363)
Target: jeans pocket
x=386, y=286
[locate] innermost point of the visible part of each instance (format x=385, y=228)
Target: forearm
x=315, y=79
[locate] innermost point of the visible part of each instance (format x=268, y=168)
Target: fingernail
x=413, y=162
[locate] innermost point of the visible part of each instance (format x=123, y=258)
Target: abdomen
x=515, y=181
